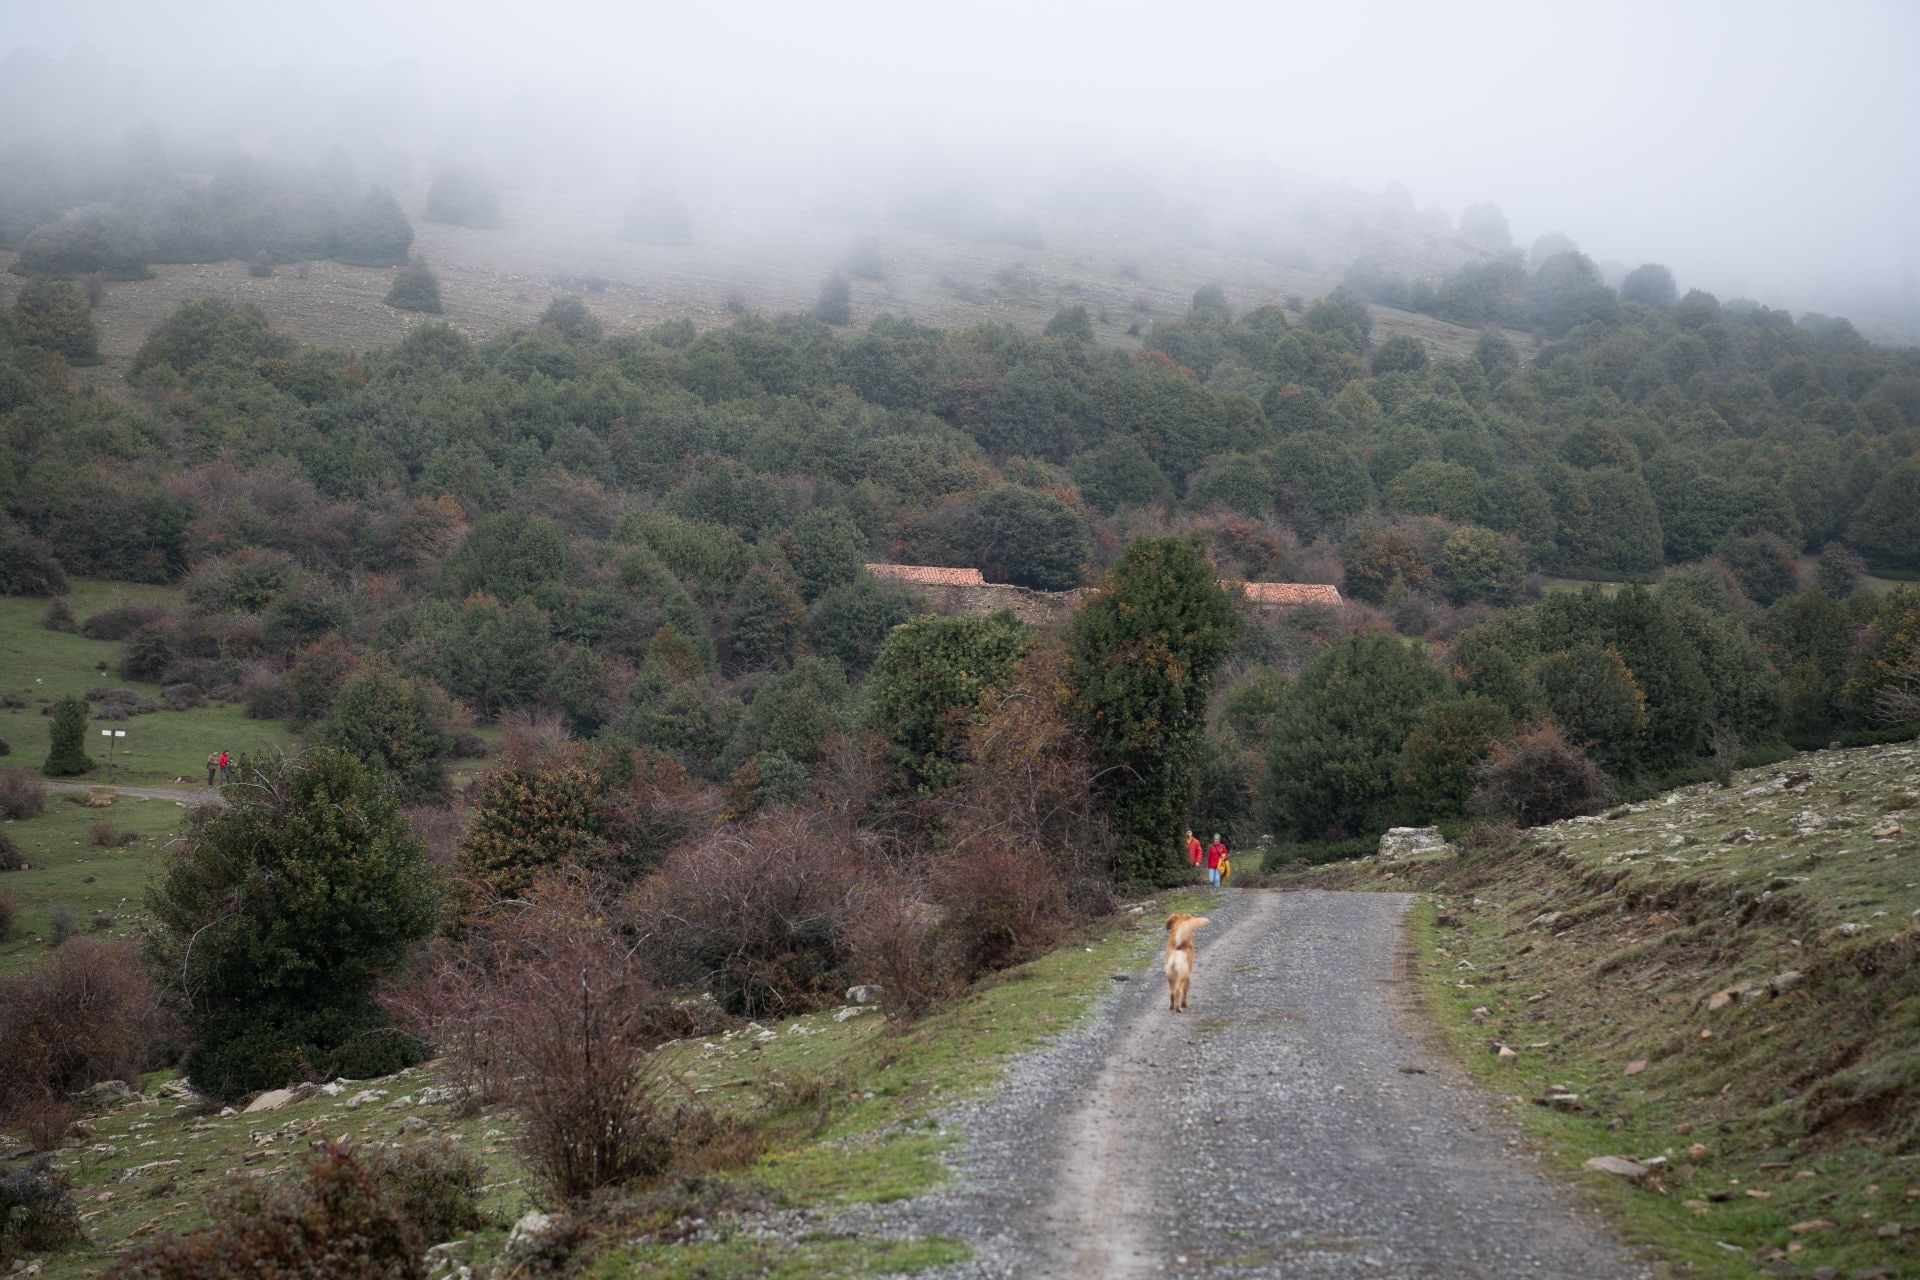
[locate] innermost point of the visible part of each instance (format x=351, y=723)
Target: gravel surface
x=1294, y=1124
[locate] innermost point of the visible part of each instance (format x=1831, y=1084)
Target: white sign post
x=113, y=737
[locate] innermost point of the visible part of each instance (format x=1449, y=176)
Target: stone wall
x=1035, y=608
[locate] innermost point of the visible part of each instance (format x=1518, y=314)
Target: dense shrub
x=333, y=1220
x=89, y=1013
x=1539, y=777
x=11, y=859
x=394, y=725
x=277, y=915
x=117, y=622
x=59, y=616
x=527, y=820
x=9, y=904
x=37, y=1212
x=53, y=314
x=545, y=1007
x=415, y=288
x=436, y=1186
x=21, y=794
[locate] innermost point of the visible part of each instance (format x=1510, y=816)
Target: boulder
x=1618, y=1166
x=863, y=995
x=108, y=1093
x=271, y=1100
x=1406, y=842
x=529, y=1231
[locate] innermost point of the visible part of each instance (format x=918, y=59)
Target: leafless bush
x=105, y=835
x=90, y=1013
x=757, y=912
x=900, y=944
x=21, y=794
x=1538, y=777
x=265, y=693
x=60, y=924
x=59, y=616
x=1488, y=837
x=1899, y=701
x=9, y=914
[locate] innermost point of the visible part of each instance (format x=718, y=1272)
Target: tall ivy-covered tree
x=928, y=677
x=1144, y=654
x=1334, y=751
x=279, y=915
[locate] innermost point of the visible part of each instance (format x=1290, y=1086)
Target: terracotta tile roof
x=1290, y=592
x=928, y=575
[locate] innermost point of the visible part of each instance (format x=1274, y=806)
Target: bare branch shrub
x=1538, y=777
x=21, y=794
x=757, y=912
x=89, y=1014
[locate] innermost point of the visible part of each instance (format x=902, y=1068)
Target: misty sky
x=1764, y=148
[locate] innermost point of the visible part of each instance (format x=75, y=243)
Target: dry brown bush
x=21, y=794
x=90, y=1013
x=1538, y=777
x=545, y=1006
x=757, y=912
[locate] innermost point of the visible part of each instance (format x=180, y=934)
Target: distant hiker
x=1194, y=851
x=1216, y=854
x=226, y=763
x=213, y=765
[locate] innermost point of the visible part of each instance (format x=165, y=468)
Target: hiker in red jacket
x=1194, y=852
x=1216, y=854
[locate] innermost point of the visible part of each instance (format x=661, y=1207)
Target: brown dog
x=1179, y=960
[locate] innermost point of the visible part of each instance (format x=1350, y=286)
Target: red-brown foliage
x=758, y=912
x=1539, y=777
x=90, y=1013
x=337, y=1222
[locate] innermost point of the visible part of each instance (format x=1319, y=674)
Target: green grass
x=818, y=1259
x=64, y=867
x=40, y=666
x=1804, y=1102
x=847, y=1110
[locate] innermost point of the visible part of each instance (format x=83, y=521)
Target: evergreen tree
x=52, y=314
x=826, y=549
x=530, y=819
x=415, y=288
x=285, y=908
x=1437, y=759
x=394, y=727
x=1144, y=653
x=1333, y=752
x=765, y=614
x=928, y=676
x=376, y=233
x=67, y=740
x=835, y=304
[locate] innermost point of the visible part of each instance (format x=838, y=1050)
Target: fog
x=1765, y=150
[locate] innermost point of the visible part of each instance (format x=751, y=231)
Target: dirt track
x=1294, y=1124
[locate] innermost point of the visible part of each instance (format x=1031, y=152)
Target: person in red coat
x=1194, y=850
x=1216, y=854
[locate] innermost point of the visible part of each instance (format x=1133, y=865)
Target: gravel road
x=1293, y=1124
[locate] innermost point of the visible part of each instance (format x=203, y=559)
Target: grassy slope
x=1776, y=1110
x=64, y=867
x=38, y=666
x=847, y=1110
